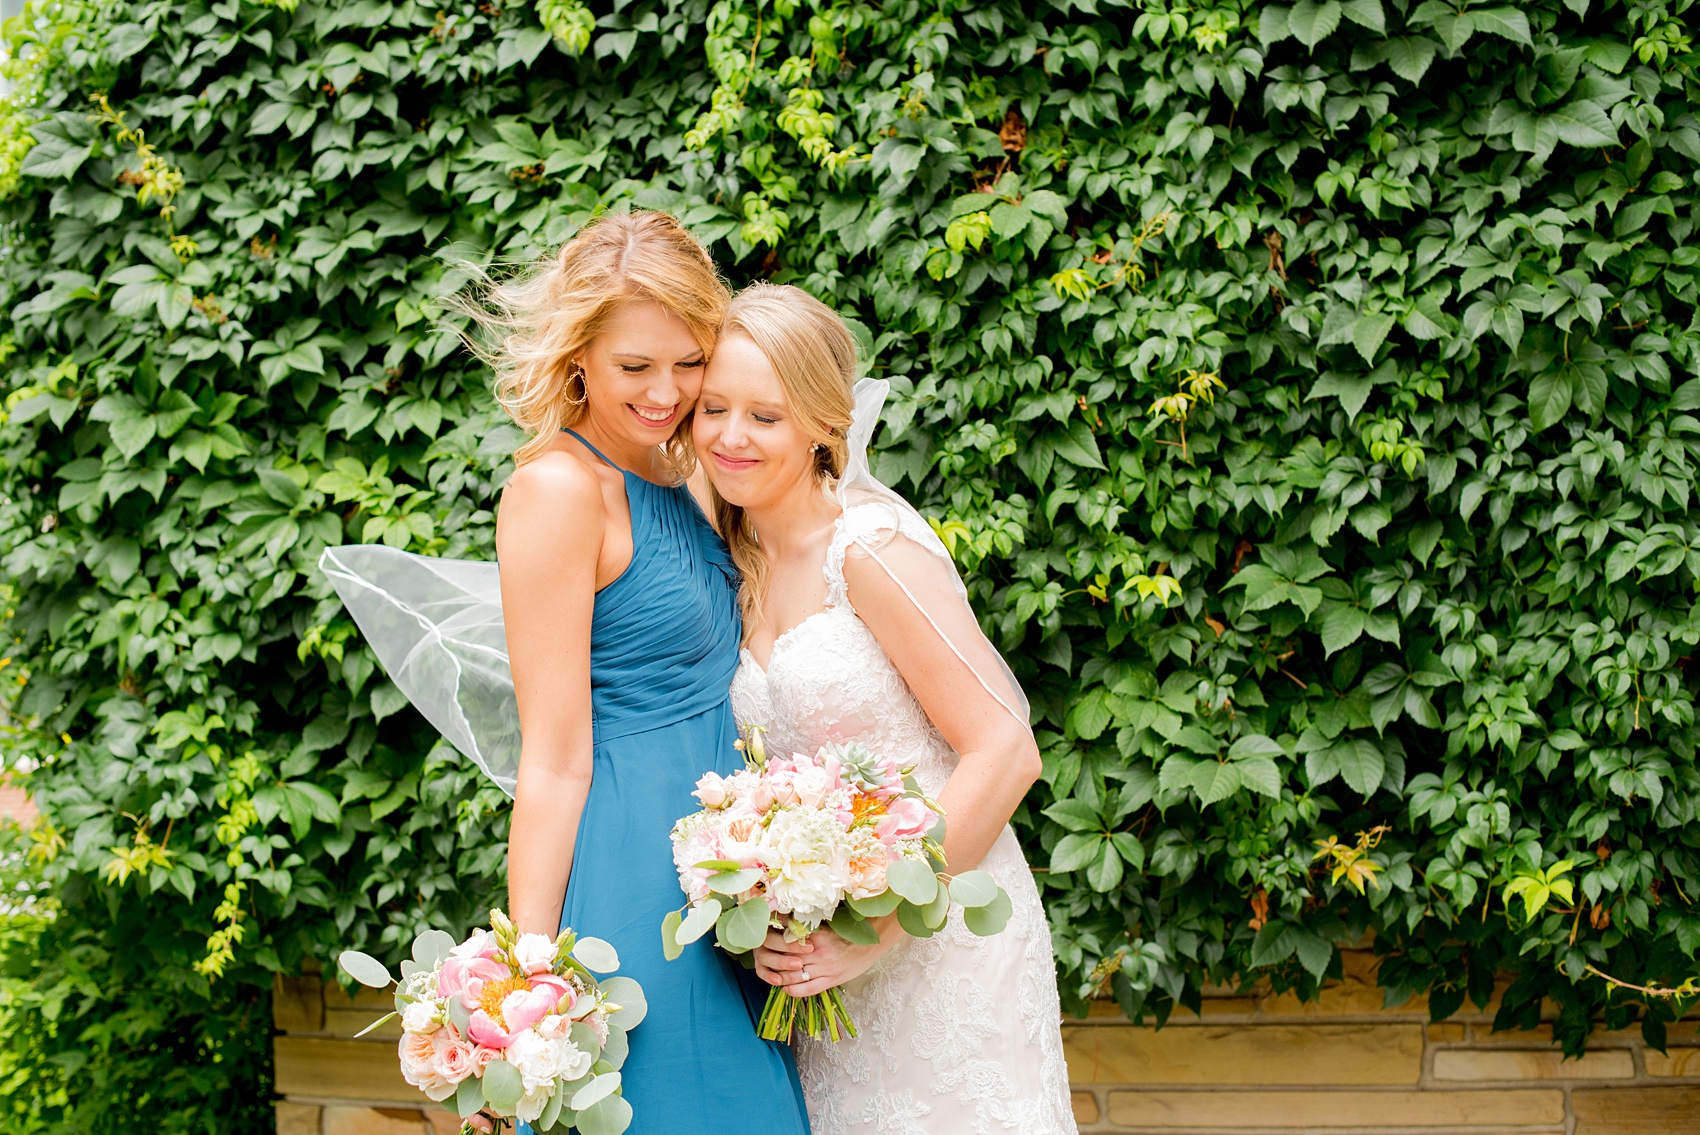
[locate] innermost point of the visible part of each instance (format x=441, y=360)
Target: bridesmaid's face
x=642, y=373
x=746, y=437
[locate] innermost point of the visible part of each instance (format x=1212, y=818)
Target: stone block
x=1245, y=1055
x=297, y=1004
x=443, y=1122
x=1085, y=1107
x=1499, y=1064
x=1446, y=1032
x=326, y=1068
x=1525, y=1109
x=1636, y=1111
x=297, y=1118
x=375, y=1121
x=1673, y=1062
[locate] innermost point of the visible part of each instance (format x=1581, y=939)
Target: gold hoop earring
x=577, y=372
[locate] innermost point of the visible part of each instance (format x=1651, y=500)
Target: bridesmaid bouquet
x=834, y=839
x=513, y=1026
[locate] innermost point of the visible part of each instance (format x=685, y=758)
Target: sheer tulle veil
x=436, y=624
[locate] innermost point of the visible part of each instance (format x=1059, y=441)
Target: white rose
x=535, y=953
x=421, y=1017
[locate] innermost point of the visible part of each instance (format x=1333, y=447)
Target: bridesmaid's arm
x=548, y=539
x=998, y=758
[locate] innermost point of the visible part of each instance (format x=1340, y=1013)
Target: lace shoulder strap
x=871, y=524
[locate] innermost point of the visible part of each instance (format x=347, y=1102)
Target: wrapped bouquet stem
x=834, y=839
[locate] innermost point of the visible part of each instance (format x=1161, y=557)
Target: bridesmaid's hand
x=804, y=969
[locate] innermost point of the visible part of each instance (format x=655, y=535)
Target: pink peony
x=520, y=1010
x=465, y=977
x=905, y=818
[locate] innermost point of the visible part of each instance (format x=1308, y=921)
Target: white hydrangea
x=808, y=854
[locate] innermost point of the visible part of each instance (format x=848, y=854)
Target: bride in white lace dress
x=857, y=629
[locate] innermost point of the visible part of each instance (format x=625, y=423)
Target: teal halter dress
x=664, y=642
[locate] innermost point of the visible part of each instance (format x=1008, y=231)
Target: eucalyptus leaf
x=365, y=969
x=596, y=955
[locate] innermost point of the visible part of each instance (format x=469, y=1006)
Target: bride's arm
x=998, y=758
x=548, y=538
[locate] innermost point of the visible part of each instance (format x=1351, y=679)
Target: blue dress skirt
x=663, y=647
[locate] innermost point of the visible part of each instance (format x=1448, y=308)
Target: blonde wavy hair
x=535, y=324
x=814, y=355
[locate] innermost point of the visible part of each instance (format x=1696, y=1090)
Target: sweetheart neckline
x=781, y=640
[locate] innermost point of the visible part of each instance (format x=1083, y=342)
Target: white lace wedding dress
x=958, y=1035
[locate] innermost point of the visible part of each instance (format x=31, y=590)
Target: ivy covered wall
x=1308, y=392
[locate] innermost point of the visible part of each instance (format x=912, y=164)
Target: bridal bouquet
x=513, y=1026
x=834, y=839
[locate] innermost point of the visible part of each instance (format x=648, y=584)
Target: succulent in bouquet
x=833, y=839
x=509, y=1027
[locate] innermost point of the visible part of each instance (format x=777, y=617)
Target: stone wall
x=1257, y=1065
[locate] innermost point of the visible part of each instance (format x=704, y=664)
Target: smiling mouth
x=734, y=464
x=654, y=417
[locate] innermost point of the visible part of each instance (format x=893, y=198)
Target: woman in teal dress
x=620, y=609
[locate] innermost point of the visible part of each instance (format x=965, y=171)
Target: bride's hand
x=804, y=969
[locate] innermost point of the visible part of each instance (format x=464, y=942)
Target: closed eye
x=764, y=421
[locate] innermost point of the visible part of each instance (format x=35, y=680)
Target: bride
x=857, y=628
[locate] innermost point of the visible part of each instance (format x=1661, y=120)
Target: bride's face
x=746, y=437
x=642, y=374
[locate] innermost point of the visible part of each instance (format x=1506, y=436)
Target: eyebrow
x=646, y=359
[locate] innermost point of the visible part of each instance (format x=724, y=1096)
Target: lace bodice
x=959, y=1035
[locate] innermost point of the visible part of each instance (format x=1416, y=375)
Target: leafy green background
x=1307, y=392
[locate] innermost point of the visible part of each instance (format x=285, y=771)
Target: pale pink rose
x=784, y=788
x=713, y=790
x=812, y=785
x=453, y=1059
x=554, y=1027
x=867, y=874
x=418, y=1065
x=484, y=1057
x=742, y=840
x=761, y=798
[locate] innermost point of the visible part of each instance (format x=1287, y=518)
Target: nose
x=732, y=432
x=664, y=391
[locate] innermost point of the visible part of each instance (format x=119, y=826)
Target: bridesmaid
x=621, y=610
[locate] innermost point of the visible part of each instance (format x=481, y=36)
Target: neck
x=792, y=518
x=621, y=450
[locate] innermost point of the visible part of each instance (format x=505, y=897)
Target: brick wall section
x=15, y=805
x=1248, y=1065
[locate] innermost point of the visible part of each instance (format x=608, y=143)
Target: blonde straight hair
x=814, y=355
x=537, y=323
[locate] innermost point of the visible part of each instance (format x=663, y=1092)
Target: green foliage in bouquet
x=1307, y=392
